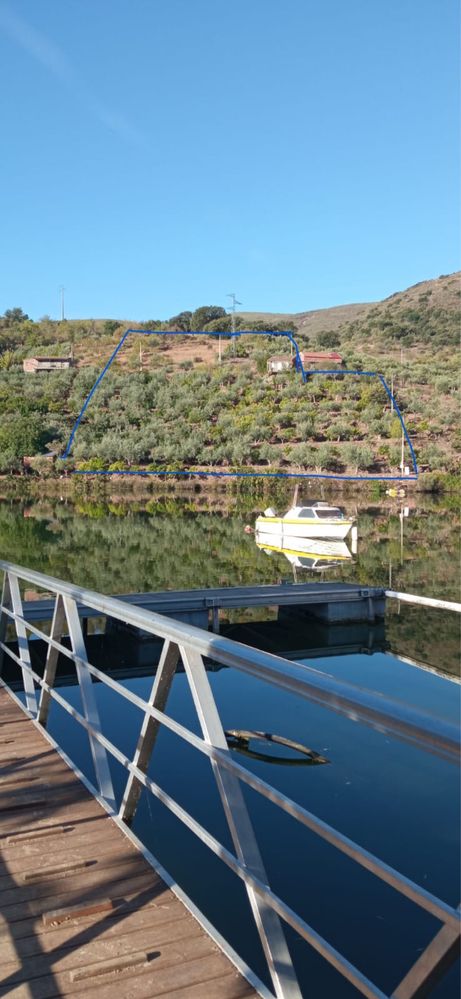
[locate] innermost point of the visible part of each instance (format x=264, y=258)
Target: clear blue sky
x=158, y=154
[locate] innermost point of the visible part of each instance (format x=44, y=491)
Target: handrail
x=363, y=857
x=357, y=703
x=192, y=645
x=413, y=598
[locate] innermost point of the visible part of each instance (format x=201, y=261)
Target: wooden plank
x=229, y=987
x=178, y=965
x=93, y=826
x=37, y=763
x=45, y=817
x=90, y=880
x=169, y=976
x=81, y=911
x=101, y=948
x=142, y=886
x=44, y=802
x=23, y=857
x=37, y=934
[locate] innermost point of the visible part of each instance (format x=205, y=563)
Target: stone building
x=32, y=365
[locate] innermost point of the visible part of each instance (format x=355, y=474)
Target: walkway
x=81, y=911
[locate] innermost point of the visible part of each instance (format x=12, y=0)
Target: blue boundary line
x=257, y=475
x=260, y=475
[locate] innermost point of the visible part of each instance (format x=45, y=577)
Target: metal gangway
x=193, y=646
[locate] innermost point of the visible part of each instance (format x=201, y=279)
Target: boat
x=313, y=520
x=305, y=553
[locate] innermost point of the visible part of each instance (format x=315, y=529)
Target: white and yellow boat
x=314, y=520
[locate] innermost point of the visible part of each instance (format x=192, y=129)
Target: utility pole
x=62, y=290
x=232, y=309
x=232, y=312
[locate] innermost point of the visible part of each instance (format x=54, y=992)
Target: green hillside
x=168, y=403
x=429, y=309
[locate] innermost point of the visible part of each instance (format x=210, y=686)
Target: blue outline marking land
x=255, y=475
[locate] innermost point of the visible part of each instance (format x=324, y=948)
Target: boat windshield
x=329, y=514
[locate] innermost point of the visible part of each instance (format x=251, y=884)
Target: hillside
x=314, y=322
x=167, y=402
x=424, y=298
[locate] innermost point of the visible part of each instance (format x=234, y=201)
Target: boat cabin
x=322, y=511
x=313, y=511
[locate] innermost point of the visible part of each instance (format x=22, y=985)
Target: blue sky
x=159, y=154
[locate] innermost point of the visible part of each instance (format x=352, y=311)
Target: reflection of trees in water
x=136, y=552
x=416, y=633
x=113, y=547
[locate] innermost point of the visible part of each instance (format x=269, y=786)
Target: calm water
x=395, y=800
x=181, y=543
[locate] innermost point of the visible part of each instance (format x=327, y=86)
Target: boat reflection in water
x=316, y=554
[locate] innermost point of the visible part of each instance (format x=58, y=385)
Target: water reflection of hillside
x=173, y=544
x=119, y=547
x=429, y=638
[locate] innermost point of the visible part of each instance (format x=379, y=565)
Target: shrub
x=359, y=456
x=328, y=339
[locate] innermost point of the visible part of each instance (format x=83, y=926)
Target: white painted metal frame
x=192, y=644
x=12, y=603
x=414, y=598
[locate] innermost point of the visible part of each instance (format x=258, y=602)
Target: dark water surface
x=393, y=799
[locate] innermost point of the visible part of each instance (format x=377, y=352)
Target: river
x=394, y=799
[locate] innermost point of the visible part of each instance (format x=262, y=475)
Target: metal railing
x=414, y=598
x=192, y=645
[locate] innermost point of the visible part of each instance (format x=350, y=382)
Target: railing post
x=90, y=708
x=3, y=617
x=243, y=836
x=159, y=695
x=52, y=655
x=12, y=601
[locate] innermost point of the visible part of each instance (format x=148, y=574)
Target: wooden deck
x=81, y=911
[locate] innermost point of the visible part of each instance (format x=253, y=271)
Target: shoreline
x=33, y=485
